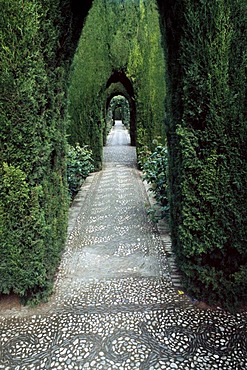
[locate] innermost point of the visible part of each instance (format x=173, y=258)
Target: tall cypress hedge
x=89, y=72
x=33, y=200
x=147, y=68
x=208, y=173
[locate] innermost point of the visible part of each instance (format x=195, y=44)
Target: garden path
x=115, y=305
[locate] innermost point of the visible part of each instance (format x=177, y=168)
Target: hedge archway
x=113, y=87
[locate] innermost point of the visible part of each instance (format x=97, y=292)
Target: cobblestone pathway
x=115, y=306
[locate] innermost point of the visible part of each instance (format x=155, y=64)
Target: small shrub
x=143, y=154
x=79, y=165
x=155, y=173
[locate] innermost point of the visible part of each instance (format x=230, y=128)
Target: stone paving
x=115, y=305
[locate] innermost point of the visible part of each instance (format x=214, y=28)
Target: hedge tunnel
x=183, y=74
x=117, y=84
x=112, y=55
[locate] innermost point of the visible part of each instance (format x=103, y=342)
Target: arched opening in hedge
x=116, y=106
x=117, y=84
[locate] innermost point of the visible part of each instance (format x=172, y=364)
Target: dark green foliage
x=33, y=200
x=155, y=173
x=90, y=71
x=125, y=113
x=147, y=69
x=208, y=206
x=21, y=233
x=79, y=166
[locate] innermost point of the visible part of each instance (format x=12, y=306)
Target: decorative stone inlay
x=131, y=339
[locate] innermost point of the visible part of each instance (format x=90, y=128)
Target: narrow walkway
x=115, y=306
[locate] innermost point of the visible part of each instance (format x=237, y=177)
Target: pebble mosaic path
x=115, y=305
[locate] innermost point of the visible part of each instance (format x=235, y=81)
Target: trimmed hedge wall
x=147, y=70
x=207, y=137
x=89, y=72
x=34, y=199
